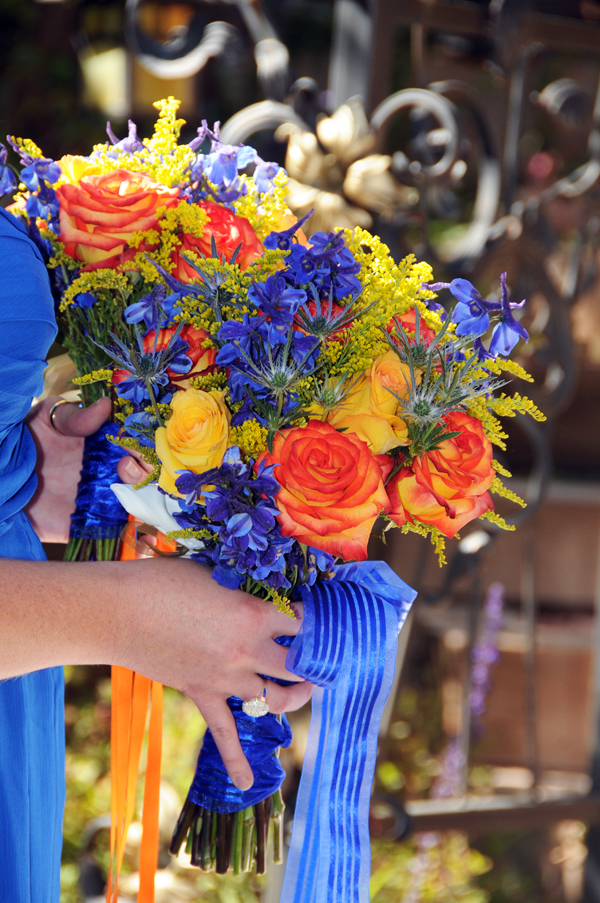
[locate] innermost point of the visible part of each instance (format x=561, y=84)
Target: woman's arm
x=165, y=618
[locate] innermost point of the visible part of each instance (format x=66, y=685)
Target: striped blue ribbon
x=347, y=647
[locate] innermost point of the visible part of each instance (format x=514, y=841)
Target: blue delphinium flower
x=238, y=504
x=264, y=176
x=40, y=170
x=508, y=331
x=84, y=299
x=279, y=302
x=8, y=180
x=44, y=204
x=327, y=264
x=285, y=240
x=216, y=176
x=131, y=144
x=155, y=309
x=473, y=315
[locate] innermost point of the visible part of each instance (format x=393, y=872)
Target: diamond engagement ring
x=257, y=706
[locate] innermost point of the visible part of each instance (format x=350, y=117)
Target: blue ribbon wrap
x=260, y=738
x=347, y=645
x=98, y=513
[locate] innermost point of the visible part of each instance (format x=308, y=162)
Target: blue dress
x=32, y=739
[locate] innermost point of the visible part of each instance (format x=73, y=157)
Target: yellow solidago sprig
x=250, y=437
x=165, y=239
x=160, y=157
x=268, y=212
x=389, y=290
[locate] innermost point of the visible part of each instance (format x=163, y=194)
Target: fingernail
x=242, y=781
x=132, y=468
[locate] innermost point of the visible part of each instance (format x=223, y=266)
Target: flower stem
x=236, y=842
x=262, y=829
x=249, y=822
x=205, y=841
x=153, y=402
x=278, y=809
x=196, y=832
x=184, y=823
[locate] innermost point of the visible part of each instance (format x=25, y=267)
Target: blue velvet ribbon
x=347, y=646
x=98, y=513
x=260, y=738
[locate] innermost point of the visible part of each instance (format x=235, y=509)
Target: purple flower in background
x=485, y=652
x=448, y=782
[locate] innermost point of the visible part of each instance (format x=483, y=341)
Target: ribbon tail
x=348, y=646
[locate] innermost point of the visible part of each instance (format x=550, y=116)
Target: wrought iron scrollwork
x=189, y=50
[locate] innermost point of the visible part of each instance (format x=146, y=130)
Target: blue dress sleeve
x=27, y=329
x=32, y=738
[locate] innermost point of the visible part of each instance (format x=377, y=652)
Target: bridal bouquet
x=291, y=396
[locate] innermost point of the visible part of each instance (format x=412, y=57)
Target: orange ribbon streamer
x=131, y=693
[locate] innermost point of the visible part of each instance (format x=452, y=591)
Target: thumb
x=71, y=420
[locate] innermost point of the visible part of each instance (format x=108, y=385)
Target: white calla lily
x=152, y=507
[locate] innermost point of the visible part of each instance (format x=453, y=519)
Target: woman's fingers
x=71, y=420
x=288, y=699
x=132, y=468
x=282, y=625
x=131, y=471
x=270, y=659
x=221, y=722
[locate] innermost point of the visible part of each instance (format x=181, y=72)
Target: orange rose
x=408, y=321
x=203, y=359
x=446, y=487
x=331, y=488
x=228, y=230
x=99, y=215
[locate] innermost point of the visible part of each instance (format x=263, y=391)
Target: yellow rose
x=371, y=410
x=195, y=437
x=75, y=167
x=388, y=375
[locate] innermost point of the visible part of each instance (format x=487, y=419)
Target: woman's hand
x=59, y=455
x=208, y=642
